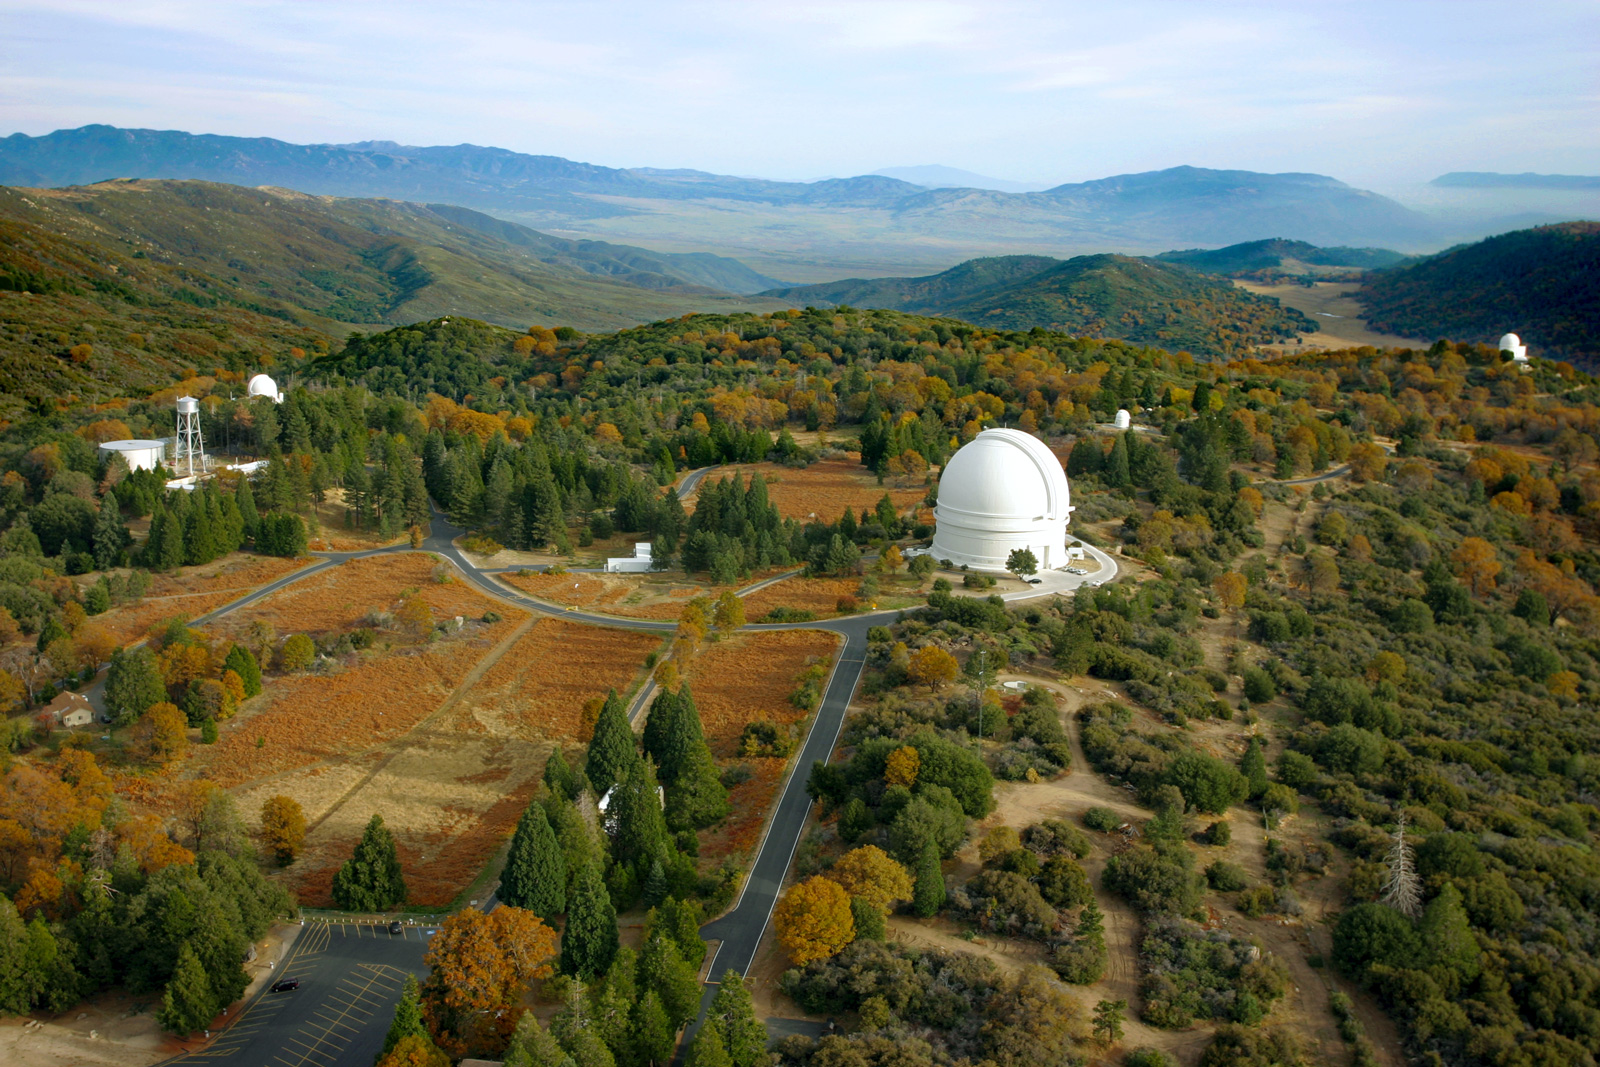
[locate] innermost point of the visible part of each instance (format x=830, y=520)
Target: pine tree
x=110, y=534
x=654, y=1036
x=746, y=1036
x=710, y=1048
x=660, y=722
x=242, y=661
x=680, y=920
x=559, y=777
x=407, y=1016
x=663, y=969
x=1452, y=952
x=655, y=884
x=697, y=798
x=133, y=683
x=927, y=896
x=245, y=500
x=640, y=828
x=536, y=873
x=1253, y=765
x=573, y=1027
x=371, y=879
x=533, y=1046
x=611, y=750
x=1117, y=473
x=589, y=942
x=187, y=1005
x=1401, y=889
x=163, y=547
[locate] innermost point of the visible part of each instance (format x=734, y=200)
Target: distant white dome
x=1004, y=490
x=1124, y=420
x=262, y=385
x=1513, y=344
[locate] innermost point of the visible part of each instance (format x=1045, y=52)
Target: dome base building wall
x=1002, y=491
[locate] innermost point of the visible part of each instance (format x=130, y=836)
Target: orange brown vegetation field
x=308, y=718
x=537, y=690
x=826, y=488
x=632, y=596
x=740, y=680
x=817, y=595
x=194, y=591
x=339, y=598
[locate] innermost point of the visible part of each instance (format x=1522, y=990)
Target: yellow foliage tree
x=903, y=766
x=1477, y=564
x=891, y=560
x=729, y=612
x=871, y=874
x=932, y=666
x=283, y=827
x=481, y=964
x=161, y=734
x=1230, y=588
x=813, y=920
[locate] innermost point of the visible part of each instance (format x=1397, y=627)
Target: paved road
x=350, y=981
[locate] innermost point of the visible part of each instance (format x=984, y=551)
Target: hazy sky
x=1377, y=92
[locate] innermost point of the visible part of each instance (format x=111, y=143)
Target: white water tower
x=190, y=454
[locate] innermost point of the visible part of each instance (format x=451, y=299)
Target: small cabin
x=638, y=563
x=70, y=711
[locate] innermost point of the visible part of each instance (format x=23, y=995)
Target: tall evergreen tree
x=682, y=735
x=187, y=1004
x=589, y=942
x=407, y=1016
x=927, y=895
x=746, y=1036
x=697, y=798
x=654, y=1036
x=110, y=534
x=710, y=1047
x=371, y=879
x=533, y=1046
x=663, y=969
x=133, y=683
x=245, y=499
x=659, y=723
x=536, y=873
x=1117, y=468
x=639, y=833
x=611, y=750
x=573, y=1027
x=559, y=776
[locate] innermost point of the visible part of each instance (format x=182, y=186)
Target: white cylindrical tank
x=139, y=455
x=1004, y=490
x=188, y=405
x=1123, y=420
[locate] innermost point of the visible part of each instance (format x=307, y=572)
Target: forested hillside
x=1101, y=296
x=1542, y=284
x=1278, y=257
x=1398, y=660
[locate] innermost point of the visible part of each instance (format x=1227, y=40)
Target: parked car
x=1034, y=581
x=1076, y=570
x=395, y=927
x=284, y=985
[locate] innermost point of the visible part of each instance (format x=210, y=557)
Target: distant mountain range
x=787, y=229
x=1542, y=284
x=1101, y=295
x=1468, y=179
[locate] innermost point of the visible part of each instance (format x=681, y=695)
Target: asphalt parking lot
x=350, y=981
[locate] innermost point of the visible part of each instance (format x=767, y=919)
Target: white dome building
x=1004, y=490
x=1123, y=420
x=1513, y=344
x=261, y=385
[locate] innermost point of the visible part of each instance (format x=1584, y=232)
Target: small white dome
x=1510, y=343
x=261, y=385
x=1004, y=490
x=1124, y=419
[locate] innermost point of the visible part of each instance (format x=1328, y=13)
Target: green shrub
x=1101, y=819
x=1226, y=877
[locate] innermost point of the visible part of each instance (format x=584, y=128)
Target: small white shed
x=638, y=563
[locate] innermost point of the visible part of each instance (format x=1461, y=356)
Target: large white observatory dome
x=262, y=385
x=1004, y=490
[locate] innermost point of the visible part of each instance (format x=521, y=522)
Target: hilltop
x=1279, y=257
x=1103, y=295
x=1542, y=283
x=869, y=224
x=137, y=269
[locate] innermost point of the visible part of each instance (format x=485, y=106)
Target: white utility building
x=1004, y=490
x=1124, y=419
x=261, y=385
x=638, y=563
x=1513, y=344
x=139, y=455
